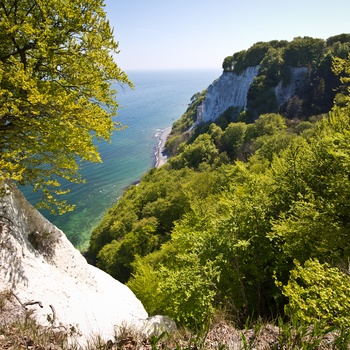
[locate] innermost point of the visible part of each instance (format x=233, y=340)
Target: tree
x=304, y=51
x=116, y=257
x=56, y=95
x=232, y=139
x=227, y=65
x=201, y=150
x=269, y=124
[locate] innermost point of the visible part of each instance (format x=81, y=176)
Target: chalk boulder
x=51, y=278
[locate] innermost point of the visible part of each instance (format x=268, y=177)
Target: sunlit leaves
x=56, y=72
x=191, y=289
x=244, y=221
x=318, y=292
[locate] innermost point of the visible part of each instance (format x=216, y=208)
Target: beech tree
x=56, y=96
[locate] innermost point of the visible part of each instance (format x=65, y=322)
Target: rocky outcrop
x=50, y=278
x=298, y=77
x=231, y=90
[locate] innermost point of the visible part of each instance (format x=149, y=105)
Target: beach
x=161, y=158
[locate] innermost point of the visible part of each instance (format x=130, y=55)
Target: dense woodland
x=251, y=214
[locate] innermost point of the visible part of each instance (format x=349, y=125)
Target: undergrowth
x=28, y=334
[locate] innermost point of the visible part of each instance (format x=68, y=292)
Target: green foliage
x=116, y=223
x=272, y=55
x=340, y=38
x=56, y=71
x=232, y=139
x=303, y=52
x=314, y=174
x=318, y=292
x=107, y=257
x=230, y=115
x=269, y=124
x=239, y=61
x=215, y=227
x=228, y=65
x=253, y=56
x=261, y=98
x=275, y=59
x=145, y=284
x=116, y=257
x=190, y=285
x=242, y=221
x=267, y=146
x=141, y=221
x=341, y=67
x=256, y=53
x=179, y=133
x=271, y=66
x=202, y=150
x=190, y=116
x=174, y=142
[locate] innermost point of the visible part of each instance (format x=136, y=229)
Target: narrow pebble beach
x=161, y=157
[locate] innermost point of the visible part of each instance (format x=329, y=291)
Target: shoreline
x=161, y=157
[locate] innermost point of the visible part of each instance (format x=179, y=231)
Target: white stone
x=229, y=90
x=38, y=263
x=157, y=325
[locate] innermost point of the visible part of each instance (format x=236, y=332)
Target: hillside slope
x=250, y=194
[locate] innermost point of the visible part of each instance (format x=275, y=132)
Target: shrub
x=319, y=292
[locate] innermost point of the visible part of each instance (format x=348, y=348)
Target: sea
x=157, y=101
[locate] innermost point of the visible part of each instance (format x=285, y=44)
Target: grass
x=25, y=333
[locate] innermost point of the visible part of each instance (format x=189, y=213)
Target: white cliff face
x=231, y=90
x=228, y=90
x=38, y=263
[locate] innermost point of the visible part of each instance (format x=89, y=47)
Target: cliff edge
x=50, y=278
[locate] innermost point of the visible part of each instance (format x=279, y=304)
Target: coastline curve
x=161, y=157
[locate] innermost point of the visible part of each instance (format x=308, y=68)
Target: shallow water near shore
x=159, y=99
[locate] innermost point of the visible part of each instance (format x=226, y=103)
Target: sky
x=199, y=34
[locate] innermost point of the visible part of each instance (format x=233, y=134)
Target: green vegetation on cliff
x=275, y=58
x=239, y=216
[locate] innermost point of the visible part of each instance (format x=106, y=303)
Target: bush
x=319, y=292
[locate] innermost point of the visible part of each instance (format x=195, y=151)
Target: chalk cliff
x=41, y=267
x=298, y=78
x=231, y=90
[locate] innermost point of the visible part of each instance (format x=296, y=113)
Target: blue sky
x=188, y=34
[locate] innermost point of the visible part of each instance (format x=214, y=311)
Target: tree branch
x=19, y=51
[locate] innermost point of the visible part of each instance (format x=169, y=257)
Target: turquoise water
x=159, y=98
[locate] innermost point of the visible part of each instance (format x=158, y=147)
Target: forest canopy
x=239, y=216
x=56, y=71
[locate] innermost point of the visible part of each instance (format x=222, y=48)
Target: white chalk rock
x=229, y=90
x=38, y=263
